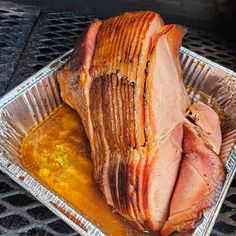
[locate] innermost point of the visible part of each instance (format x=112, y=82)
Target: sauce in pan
x=57, y=153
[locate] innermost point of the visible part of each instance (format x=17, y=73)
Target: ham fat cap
x=125, y=80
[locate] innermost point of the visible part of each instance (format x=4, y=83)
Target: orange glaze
x=57, y=153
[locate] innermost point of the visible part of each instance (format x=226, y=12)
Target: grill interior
x=15, y=27
x=29, y=41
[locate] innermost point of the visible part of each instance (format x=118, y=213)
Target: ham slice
x=125, y=81
x=200, y=179
x=207, y=123
x=201, y=174
x=164, y=128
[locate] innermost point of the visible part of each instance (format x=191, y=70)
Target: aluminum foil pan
x=32, y=101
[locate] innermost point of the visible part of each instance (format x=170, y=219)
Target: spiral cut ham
x=155, y=155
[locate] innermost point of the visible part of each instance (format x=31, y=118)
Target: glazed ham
x=155, y=156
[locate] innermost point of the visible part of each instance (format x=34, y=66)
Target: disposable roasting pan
x=31, y=102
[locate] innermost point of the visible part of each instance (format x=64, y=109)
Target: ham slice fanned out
x=155, y=156
x=201, y=173
x=200, y=179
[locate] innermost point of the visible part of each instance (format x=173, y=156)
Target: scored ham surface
x=155, y=156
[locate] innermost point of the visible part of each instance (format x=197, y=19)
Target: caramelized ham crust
x=125, y=81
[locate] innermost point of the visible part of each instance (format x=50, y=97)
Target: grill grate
x=15, y=26
x=22, y=215
x=52, y=35
x=214, y=48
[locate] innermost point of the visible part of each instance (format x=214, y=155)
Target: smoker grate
x=22, y=215
x=52, y=35
x=15, y=26
x=219, y=50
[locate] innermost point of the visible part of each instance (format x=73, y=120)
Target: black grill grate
x=221, y=51
x=52, y=35
x=15, y=26
x=22, y=215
